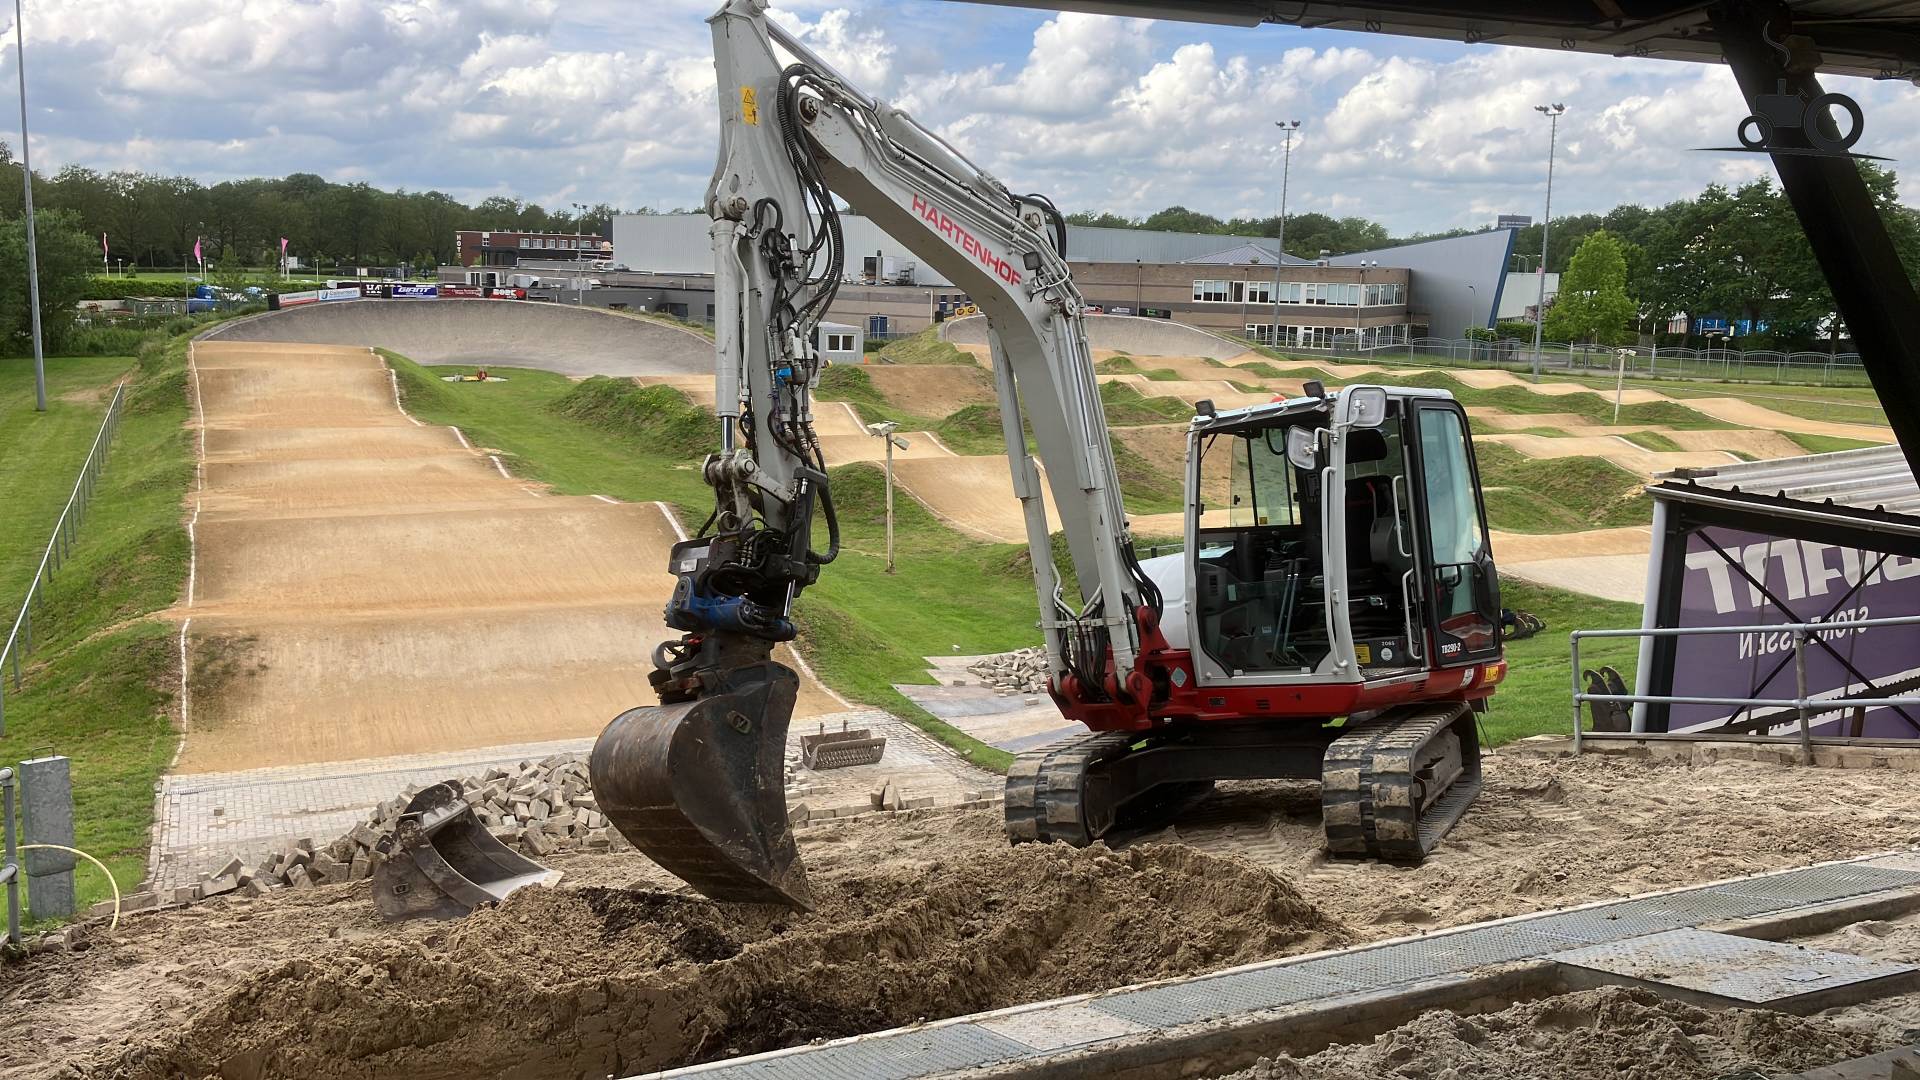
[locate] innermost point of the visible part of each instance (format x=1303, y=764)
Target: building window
x=1210, y=292
x=839, y=342
x=1237, y=290
x=1373, y=296
x=526, y=241
x=1259, y=292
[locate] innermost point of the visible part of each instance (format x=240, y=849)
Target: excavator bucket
x=441, y=862
x=699, y=787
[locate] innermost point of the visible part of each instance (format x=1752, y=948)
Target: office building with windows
x=475, y=247
x=1224, y=284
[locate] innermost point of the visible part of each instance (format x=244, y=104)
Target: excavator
x=1334, y=617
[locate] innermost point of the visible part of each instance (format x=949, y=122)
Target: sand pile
x=590, y=981
x=1609, y=1034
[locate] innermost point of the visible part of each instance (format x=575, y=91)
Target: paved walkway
x=202, y=819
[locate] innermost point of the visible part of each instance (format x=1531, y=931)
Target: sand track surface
x=367, y=586
x=844, y=439
x=921, y=914
x=932, y=389
x=972, y=493
x=564, y=338
x=1634, y=459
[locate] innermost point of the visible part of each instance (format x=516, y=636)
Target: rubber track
x=1046, y=788
x=1367, y=784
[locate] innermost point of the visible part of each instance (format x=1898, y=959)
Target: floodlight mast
x=1552, y=113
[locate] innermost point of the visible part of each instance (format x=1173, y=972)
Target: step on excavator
x=1335, y=614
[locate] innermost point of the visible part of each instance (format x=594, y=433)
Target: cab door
x=1462, y=593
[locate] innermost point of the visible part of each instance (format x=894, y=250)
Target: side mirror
x=1302, y=450
x=1366, y=406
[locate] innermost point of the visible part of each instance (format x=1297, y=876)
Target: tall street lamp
x=1552, y=113
x=33, y=252
x=885, y=430
x=1287, y=127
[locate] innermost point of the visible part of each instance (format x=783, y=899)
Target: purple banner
x=1817, y=583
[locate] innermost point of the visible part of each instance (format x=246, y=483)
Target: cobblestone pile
x=1023, y=671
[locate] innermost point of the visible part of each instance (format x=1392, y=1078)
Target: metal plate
x=1445, y=954
x=902, y=1055
x=1741, y=970
x=1061, y=1026
x=1611, y=922
x=1221, y=995
x=1819, y=884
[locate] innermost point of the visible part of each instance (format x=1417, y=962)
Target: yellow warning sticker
x=1363, y=652
x=749, y=106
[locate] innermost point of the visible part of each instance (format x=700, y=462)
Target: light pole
x=1552, y=113
x=579, y=222
x=1466, y=331
x=33, y=252
x=885, y=430
x=1360, y=308
x=1287, y=127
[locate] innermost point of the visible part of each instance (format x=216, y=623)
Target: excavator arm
x=696, y=782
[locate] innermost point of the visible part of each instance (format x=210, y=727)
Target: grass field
x=1556, y=495
x=101, y=682
x=41, y=453
x=1537, y=697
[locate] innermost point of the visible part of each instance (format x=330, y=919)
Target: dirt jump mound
x=552, y=337
x=1123, y=333
x=583, y=981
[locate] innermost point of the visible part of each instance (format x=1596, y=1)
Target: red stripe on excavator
x=969, y=244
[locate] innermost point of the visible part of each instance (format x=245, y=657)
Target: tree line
x=1737, y=253
x=152, y=221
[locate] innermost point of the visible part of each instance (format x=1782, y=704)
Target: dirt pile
x=590, y=981
x=1610, y=1034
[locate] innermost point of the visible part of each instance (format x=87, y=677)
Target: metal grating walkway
x=971, y=1042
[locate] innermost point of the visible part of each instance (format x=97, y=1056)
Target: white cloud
x=605, y=100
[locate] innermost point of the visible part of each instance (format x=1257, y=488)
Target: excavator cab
x=1350, y=551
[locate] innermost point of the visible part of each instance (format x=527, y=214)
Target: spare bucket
x=441, y=862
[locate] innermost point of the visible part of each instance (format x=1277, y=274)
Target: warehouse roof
x=1247, y=254
x=1876, y=480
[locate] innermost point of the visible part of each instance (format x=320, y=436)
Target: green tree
x=1593, y=305
x=67, y=258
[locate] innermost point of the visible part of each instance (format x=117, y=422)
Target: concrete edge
x=1191, y=1050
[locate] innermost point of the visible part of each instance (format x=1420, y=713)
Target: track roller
x=1394, y=784
x=1087, y=788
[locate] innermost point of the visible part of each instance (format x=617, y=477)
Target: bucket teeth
x=699, y=787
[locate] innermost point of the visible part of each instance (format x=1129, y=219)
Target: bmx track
x=366, y=586
x=552, y=337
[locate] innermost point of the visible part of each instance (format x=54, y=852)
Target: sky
x=613, y=101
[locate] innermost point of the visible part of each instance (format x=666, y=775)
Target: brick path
x=203, y=818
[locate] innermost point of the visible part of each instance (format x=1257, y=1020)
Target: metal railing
x=59, y=548
x=1644, y=361
x=1804, y=707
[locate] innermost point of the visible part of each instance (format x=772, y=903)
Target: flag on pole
x=104, y=261
x=197, y=257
